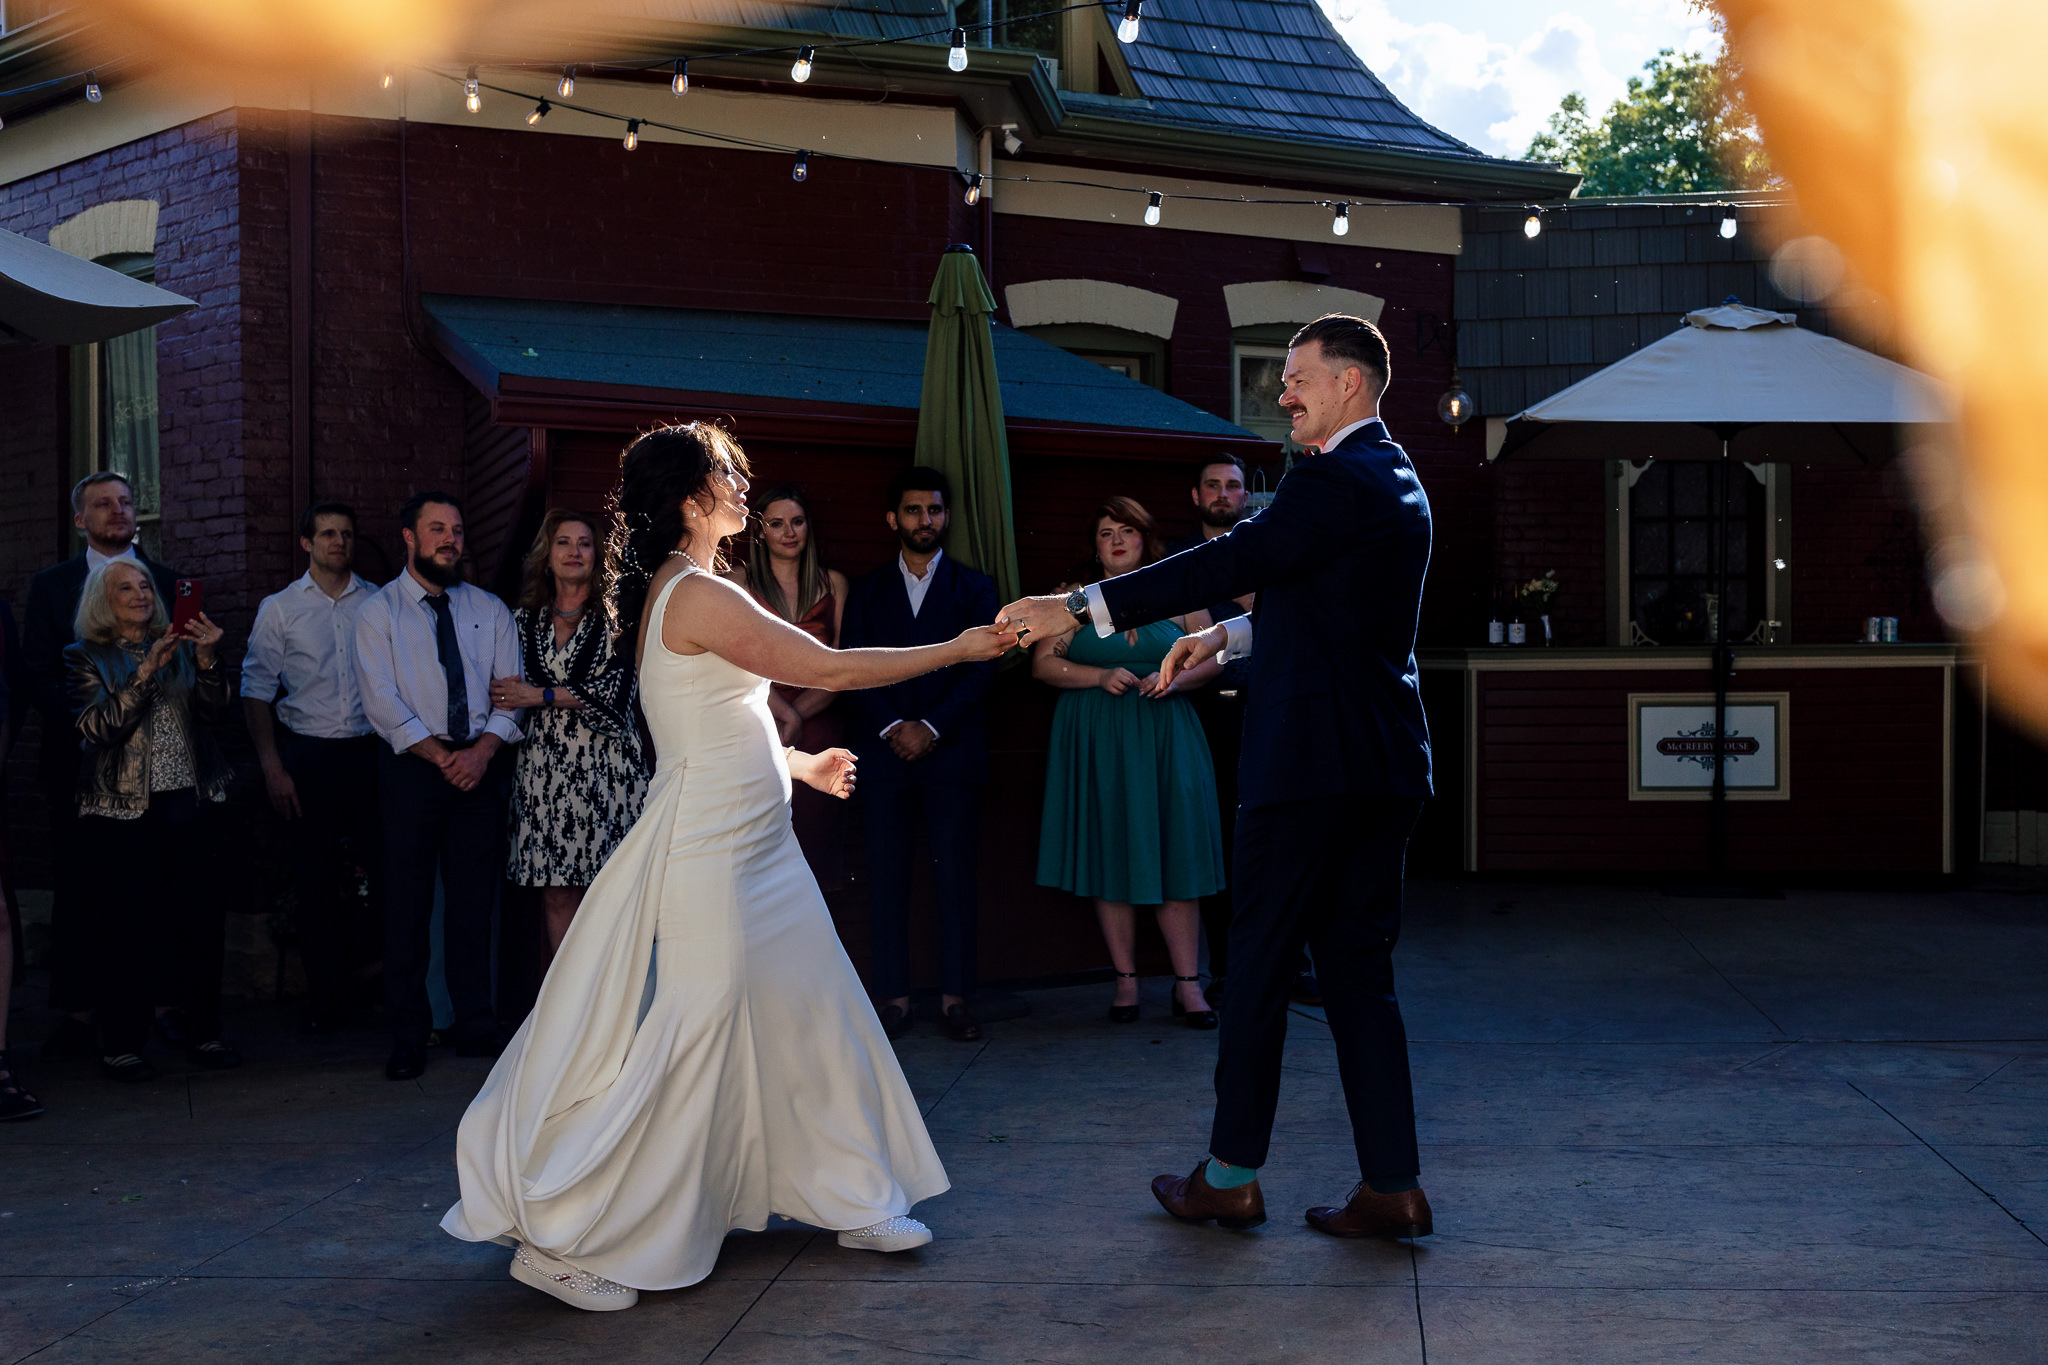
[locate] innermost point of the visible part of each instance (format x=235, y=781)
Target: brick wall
x=1856, y=552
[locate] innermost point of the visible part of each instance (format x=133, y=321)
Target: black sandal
x=1124, y=1014
x=1194, y=1019
x=15, y=1101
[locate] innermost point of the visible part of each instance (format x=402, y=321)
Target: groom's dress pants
x=1326, y=873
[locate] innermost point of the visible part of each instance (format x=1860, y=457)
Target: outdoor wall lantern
x=1455, y=407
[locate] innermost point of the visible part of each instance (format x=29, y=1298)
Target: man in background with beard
x=427, y=646
x=921, y=738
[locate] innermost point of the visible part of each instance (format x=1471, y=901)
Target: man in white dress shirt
x=427, y=647
x=319, y=757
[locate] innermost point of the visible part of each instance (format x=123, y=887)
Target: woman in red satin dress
x=785, y=572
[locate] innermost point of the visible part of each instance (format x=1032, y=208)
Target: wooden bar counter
x=1853, y=759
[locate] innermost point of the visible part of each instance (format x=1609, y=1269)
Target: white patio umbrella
x=1734, y=383
x=50, y=297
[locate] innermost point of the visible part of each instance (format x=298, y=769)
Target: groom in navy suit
x=1334, y=771
x=925, y=738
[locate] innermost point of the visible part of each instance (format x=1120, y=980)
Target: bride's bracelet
x=788, y=752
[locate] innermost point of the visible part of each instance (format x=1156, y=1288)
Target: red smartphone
x=188, y=599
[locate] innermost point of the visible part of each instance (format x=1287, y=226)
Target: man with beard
x=921, y=738
x=103, y=508
x=427, y=647
x=319, y=755
x=1219, y=495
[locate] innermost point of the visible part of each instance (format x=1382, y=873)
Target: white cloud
x=1497, y=90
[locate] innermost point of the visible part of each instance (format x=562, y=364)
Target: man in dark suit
x=1334, y=771
x=923, y=737
x=103, y=507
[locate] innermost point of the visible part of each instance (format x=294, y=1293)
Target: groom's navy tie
x=451, y=664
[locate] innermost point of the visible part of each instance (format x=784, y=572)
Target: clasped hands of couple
x=1047, y=617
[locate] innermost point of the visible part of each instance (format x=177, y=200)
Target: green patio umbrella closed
x=960, y=421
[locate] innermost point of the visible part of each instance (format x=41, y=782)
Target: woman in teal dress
x=1130, y=790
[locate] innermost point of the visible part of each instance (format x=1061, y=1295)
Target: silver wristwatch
x=1077, y=605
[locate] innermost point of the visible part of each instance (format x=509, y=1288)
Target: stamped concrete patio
x=1812, y=1129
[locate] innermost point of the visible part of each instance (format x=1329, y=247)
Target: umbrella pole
x=1724, y=665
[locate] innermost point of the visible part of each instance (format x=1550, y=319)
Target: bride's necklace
x=687, y=556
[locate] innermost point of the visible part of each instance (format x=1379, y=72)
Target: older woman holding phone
x=149, y=791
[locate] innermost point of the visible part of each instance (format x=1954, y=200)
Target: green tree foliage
x=1680, y=129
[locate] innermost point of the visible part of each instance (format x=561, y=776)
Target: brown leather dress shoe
x=1375, y=1215
x=961, y=1026
x=1193, y=1198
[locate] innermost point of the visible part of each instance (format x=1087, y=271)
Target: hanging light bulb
x=1533, y=224
x=1127, y=31
x=92, y=87
x=1728, y=225
x=680, y=82
x=472, y=98
x=1341, y=224
x=540, y=111
x=387, y=80
x=1455, y=407
x=973, y=195
x=802, y=169
x=1152, y=209
x=632, y=134
x=566, y=86
x=956, y=56
x=801, y=70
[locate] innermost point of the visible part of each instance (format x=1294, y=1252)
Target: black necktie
x=451, y=664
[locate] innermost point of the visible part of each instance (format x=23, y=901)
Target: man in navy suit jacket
x=1334, y=770
x=925, y=736
x=103, y=507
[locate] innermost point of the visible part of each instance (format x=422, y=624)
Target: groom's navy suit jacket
x=1337, y=561
x=878, y=614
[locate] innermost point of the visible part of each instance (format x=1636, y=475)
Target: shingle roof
x=1269, y=66
x=871, y=362
x=1274, y=67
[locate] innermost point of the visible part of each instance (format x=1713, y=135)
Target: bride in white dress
x=701, y=1054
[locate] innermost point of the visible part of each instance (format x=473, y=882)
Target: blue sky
x=1491, y=71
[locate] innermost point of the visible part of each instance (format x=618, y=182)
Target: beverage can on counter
x=1888, y=629
x=1873, y=630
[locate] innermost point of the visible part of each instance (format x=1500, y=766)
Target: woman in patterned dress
x=785, y=572
x=580, y=781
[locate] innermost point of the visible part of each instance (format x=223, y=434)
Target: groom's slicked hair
x=1347, y=341
x=919, y=477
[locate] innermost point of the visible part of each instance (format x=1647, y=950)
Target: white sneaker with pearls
x=891, y=1234
x=577, y=1288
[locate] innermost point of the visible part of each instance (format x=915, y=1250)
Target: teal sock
x=1395, y=1185
x=1222, y=1177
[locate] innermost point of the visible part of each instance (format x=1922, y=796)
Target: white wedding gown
x=701, y=1055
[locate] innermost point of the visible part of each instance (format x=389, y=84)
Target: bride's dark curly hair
x=658, y=470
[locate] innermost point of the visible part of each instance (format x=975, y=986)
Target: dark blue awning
x=876, y=363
